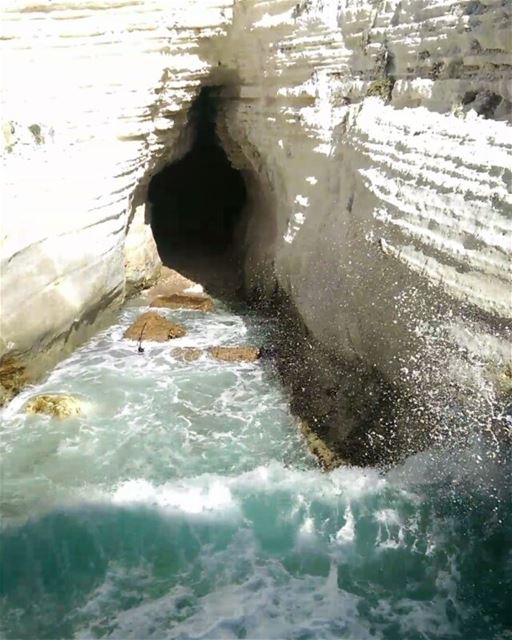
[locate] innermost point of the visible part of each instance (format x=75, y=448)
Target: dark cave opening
x=196, y=202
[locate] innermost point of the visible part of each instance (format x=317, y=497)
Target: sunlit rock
x=56, y=405
x=151, y=326
x=13, y=377
x=235, y=354
x=183, y=301
x=142, y=262
x=374, y=148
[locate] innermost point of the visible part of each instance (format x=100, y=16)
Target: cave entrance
x=196, y=203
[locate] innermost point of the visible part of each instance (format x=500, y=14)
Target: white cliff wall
x=94, y=97
x=382, y=128
x=373, y=134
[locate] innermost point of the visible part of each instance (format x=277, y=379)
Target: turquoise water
x=183, y=504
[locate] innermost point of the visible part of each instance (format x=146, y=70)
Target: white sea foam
x=347, y=532
x=270, y=546
x=181, y=497
x=269, y=603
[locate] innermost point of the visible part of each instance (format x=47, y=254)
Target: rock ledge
x=183, y=301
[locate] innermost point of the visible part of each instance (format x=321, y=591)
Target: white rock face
x=374, y=138
x=94, y=98
x=142, y=262
x=388, y=222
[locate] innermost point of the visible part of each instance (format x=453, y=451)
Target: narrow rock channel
x=255, y=320
x=182, y=502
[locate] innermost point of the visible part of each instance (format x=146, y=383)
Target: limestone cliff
x=381, y=131
x=95, y=96
x=375, y=142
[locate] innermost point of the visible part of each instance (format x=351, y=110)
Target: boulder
x=151, y=326
x=57, y=405
x=183, y=301
x=235, y=354
x=187, y=354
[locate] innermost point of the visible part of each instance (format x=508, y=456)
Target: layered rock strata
x=375, y=143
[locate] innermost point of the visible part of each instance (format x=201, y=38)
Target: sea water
x=184, y=504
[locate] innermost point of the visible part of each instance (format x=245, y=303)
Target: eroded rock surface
x=187, y=354
x=151, y=326
x=326, y=456
x=13, y=377
x=234, y=354
x=374, y=139
x=183, y=301
x=142, y=262
x=57, y=405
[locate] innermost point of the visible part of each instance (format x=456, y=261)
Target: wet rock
x=327, y=458
x=184, y=301
x=13, y=378
x=58, y=405
x=187, y=354
x=235, y=354
x=151, y=326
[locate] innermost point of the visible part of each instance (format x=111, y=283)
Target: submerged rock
x=235, y=354
x=151, y=326
x=187, y=354
x=184, y=301
x=58, y=405
x=222, y=354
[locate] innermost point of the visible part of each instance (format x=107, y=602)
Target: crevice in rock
x=196, y=204
x=207, y=219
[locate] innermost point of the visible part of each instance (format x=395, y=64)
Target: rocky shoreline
x=346, y=412
x=172, y=290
